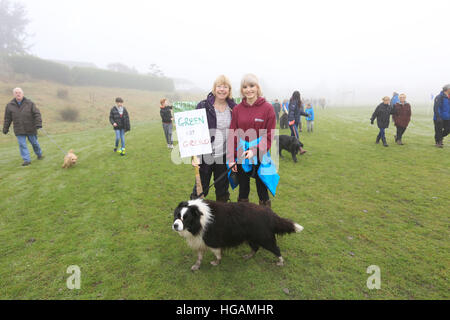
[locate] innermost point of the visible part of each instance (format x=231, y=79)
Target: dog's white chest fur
x=195, y=242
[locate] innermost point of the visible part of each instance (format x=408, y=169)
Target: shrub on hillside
x=62, y=93
x=70, y=114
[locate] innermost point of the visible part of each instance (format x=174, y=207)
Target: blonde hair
x=162, y=102
x=250, y=79
x=223, y=80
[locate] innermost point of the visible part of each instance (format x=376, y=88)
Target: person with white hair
x=26, y=119
x=250, y=138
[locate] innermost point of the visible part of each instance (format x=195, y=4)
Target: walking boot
x=266, y=203
x=384, y=142
x=378, y=140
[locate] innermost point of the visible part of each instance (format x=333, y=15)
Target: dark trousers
x=284, y=123
x=400, y=132
x=441, y=129
x=244, y=184
x=217, y=168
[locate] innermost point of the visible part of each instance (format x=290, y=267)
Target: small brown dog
x=70, y=160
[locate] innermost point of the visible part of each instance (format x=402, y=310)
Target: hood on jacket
x=259, y=102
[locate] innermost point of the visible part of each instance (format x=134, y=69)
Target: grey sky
x=319, y=47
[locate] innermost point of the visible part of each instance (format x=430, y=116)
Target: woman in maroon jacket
x=252, y=120
x=402, y=117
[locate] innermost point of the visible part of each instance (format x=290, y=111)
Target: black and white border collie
x=217, y=225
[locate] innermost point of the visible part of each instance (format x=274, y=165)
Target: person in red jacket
x=253, y=121
x=401, y=117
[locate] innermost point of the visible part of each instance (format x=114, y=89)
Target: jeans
x=442, y=129
x=22, y=139
x=168, y=132
x=120, y=135
x=382, y=134
x=294, y=131
x=310, y=125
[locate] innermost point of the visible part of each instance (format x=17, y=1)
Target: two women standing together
x=241, y=137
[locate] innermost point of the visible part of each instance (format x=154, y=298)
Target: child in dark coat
x=120, y=121
x=382, y=114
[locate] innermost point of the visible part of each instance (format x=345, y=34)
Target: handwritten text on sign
x=193, y=133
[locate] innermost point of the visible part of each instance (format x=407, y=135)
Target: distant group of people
x=400, y=110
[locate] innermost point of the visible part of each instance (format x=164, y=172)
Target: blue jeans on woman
x=294, y=131
x=22, y=139
x=382, y=134
x=120, y=135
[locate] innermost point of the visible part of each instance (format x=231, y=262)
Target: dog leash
x=218, y=179
x=53, y=141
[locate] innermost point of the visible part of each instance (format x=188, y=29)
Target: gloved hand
x=5, y=131
x=371, y=122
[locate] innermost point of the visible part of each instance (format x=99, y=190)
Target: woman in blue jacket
x=295, y=112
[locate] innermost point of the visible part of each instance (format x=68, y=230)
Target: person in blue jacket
x=395, y=99
x=310, y=119
x=442, y=116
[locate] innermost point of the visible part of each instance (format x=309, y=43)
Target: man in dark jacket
x=26, y=119
x=382, y=114
x=277, y=109
x=442, y=116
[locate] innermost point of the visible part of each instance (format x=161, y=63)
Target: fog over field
x=351, y=52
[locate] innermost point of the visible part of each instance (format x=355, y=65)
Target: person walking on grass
x=167, y=118
x=120, y=121
x=218, y=105
x=442, y=116
x=284, y=123
x=250, y=138
x=295, y=112
x=402, y=117
x=382, y=114
x=310, y=119
x=277, y=109
x=26, y=119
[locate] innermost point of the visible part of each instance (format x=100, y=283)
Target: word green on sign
x=185, y=122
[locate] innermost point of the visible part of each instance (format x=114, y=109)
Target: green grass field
x=361, y=204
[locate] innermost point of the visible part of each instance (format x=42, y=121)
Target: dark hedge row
x=53, y=71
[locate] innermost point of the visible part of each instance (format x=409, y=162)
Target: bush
x=62, y=93
x=70, y=114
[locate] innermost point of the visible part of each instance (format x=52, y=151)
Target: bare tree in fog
x=13, y=37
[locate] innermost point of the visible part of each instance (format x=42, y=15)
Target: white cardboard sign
x=193, y=133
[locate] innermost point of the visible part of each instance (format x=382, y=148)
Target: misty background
x=350, y=52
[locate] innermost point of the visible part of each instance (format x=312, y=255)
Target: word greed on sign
x=193, y=133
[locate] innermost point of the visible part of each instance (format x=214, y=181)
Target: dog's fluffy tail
x=285, y=226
